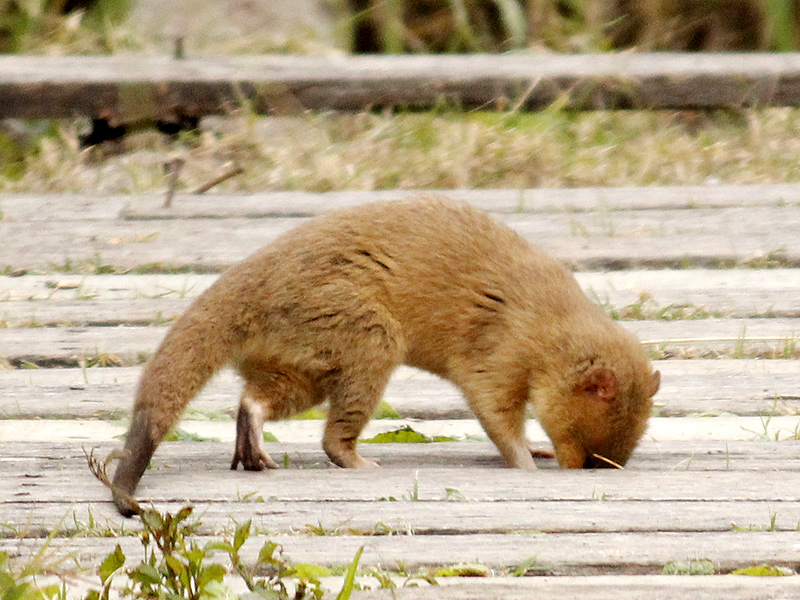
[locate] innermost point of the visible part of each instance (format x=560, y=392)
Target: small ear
x=600, y=383
x=655, y=383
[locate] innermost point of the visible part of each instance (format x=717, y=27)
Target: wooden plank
x=36, y=457
x=652, y=587
x=70, y=346
x=107, y=300
x=727, y=386
x=40, y=519
x=660, y=429
x=601, y=240
x=558, y=554
x=130, y=88
x=259, y=205
x=177, y=478
x=536, y=200
x=439, y=512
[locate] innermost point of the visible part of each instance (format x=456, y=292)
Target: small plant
x=764, y=571
x=692, y=566
x=21, y=583
x=180, y=435
x=527, y=566
x=453, y=495
x=100, y=359
x=464, y=570
x=406, y=435
x=175, y=566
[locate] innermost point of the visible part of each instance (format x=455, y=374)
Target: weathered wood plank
x=660, y=429
x=740, y=386
x=662, y=455
x=618, y=587
x=178, y=478
x=69, y=346
x=131, y=88
x=559, y=554
x=40, y=519
x=440, y=512
x=598, y=240
x=259, y=205
x=106, y=300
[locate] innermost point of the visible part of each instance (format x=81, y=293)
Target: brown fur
x=329, y=309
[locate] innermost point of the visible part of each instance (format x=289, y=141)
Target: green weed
x=180, y=435
x=176, y=565
x=764, y=571
x=405, y=435
x=21, y=582
x=692, y=566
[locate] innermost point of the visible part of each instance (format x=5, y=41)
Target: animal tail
x=194, y=349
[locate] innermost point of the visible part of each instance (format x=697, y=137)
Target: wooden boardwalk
x=92, y=283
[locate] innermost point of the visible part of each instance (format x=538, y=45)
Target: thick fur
x=329, y=309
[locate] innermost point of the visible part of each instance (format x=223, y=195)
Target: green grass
x=692, y=566
x=439, y=149
x=405, y=435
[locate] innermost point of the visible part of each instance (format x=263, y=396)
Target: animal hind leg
x=268, y=395
x=249, y=438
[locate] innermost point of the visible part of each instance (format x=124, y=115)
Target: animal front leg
x=502, y=416
x=344, y=425
x=250, y=437
x=353, y=399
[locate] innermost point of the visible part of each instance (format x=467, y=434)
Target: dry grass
x=553, y=148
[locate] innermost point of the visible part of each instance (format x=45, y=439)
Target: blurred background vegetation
x=574, y=25
x=440, y=149
x=397, y=26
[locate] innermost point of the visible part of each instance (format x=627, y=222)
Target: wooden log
x=126, y=89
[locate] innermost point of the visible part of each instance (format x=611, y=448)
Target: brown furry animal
x=329, y=309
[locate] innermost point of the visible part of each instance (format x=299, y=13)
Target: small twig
x=524, y=98
x=178, y=52
x=608, y=460
x=173, y=170
x=232, y=172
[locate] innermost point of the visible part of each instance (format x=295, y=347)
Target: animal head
x=596, y=417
